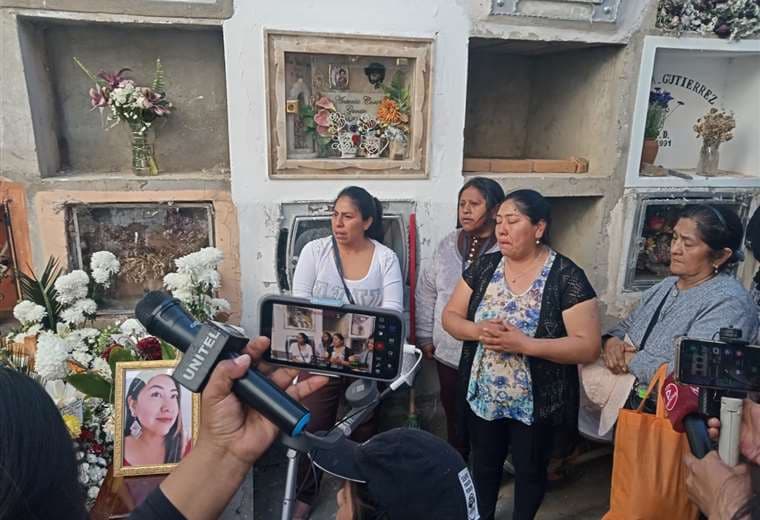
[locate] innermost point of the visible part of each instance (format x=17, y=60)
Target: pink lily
x=98, y=97
x=112, y=79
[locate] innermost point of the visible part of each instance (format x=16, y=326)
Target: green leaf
x=306, y=111
x=159, y=85
x=41, y=290
x=84, y=69
x=167, y=351
x=117, y=355
x=91, y=385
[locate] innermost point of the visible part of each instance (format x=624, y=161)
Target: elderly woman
x=527, y=316
x=696, y=301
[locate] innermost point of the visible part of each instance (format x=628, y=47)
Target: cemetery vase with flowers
x=658, y=111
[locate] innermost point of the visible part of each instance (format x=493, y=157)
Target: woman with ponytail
x=352, y=266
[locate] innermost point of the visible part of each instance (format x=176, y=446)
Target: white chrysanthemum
x=72, y=287
x=178, y=282
x=218, y=304
x=185, y=297
x=132, y=327
x=202, y=260
x=209, y=279
x=93, y=492
x=100, y=367
x=79, y=312
x=180, y=285
x=51, y=357
x=28, y=312
x=82, y=357
x=104, y=265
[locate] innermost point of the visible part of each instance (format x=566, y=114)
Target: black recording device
x=724, y=371
x=205, y=344
x=730, y=364
x=327, y=337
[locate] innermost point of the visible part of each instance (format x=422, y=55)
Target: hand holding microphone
x=232, y=437
x=204, y=345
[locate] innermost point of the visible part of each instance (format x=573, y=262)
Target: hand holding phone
x=335, y=339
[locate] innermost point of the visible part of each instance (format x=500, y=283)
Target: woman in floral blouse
x=527, y=316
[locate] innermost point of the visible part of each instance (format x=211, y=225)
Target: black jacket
x=555, y=386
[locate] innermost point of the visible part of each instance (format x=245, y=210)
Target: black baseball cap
x=409, y=474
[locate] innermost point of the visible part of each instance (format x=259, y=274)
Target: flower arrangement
x=75, y=360
x=733, y=19
x=393, y=115
x=316, y=120
x=137, y=106
x=658, y=112
x=195, y=281
x=715, y=127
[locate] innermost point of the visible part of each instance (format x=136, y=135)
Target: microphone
x=682, y=405
x=204, y=345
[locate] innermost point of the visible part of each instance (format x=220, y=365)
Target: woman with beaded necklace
x=477, y=203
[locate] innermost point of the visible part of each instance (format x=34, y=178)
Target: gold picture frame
x=126, y=374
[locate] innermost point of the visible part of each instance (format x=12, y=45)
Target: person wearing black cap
x=400, y=474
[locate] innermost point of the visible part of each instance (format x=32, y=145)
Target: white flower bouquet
x=196, y=280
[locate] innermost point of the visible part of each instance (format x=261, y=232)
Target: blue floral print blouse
x=500, y=383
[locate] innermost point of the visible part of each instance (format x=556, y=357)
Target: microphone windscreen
x=149, y=303
x=680, y=401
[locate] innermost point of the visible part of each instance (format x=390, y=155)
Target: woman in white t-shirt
x=300, y=350
x=371, y=277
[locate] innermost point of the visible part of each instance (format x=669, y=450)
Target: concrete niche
x=72, y=139
x=545, y=107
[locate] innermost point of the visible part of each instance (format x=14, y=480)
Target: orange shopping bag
x=648, y=478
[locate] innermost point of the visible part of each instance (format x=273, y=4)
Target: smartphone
x=718, y=365
x=346, y=340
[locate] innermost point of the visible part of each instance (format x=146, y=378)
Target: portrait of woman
x=156, y=418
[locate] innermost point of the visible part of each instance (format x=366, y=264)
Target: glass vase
x=143, y=161
x=708, y=160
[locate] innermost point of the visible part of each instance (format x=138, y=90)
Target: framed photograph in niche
x=355, y=106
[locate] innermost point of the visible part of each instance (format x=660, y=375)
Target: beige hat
x=607, y=391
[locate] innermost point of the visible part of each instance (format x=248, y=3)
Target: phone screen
x=336, y=340
x=723, y=366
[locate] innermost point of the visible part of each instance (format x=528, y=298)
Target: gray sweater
x=434, y=287
x=699, y=312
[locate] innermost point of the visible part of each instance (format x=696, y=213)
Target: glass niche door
x=648, y=259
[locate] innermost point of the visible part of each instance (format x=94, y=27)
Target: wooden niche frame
x=414, y=166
